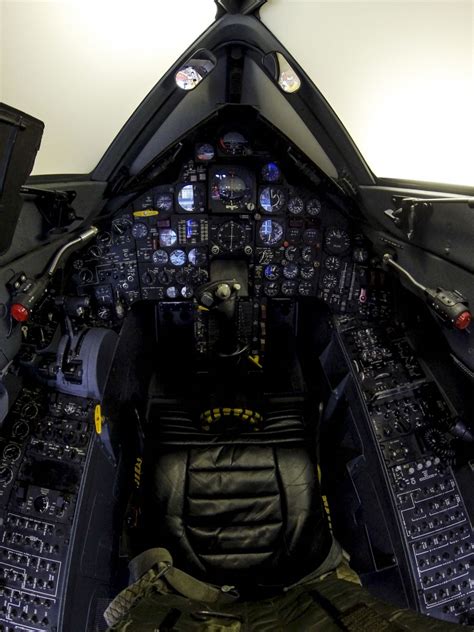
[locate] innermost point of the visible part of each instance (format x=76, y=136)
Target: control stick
x=221, y=297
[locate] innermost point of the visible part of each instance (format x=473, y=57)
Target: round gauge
x=329, y=280
x=311, y=236
x=178, y=258
x=95, y=252
x=104, y=238
x=148, y=277
x=289, y=288
x=204, y=152
x=187, y=291
x=168, y=237
x=313, y=207
x=233, y=143
x=172, y=291
x=332, y=263
x=121, y=225
x=182, y=276
x=86, y=275
x=11, y=452
x=163, y=277
x=296, y=205
x=164, y=202
x=271, y=289
x=270, y=232
x=337, y=240
x=272, y=199
x=360, y=255
x=307, y=272
x=305, y=288
x=231, y=188
x=307, y=254
x=139, y=230
x=272, y=272
x=271, y=172
x=103, y=313
x=29, y=411
x=160, y=257
x=291, y=253
x=231, y=236
x=199, y=277
x=198, y=257
x=290, y=271
x=186, y=198
x=6, y=475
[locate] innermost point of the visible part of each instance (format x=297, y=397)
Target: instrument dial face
x=307, y=254
x=290, y=271
x=332, y=263
x=168, y=237
x=271, y=172
x=270, y=232
x=337, y=240
x=296, y=205
x=121, y=225
x=313, y=207
x=205, y=152
x=291, y=253
x=231, y=236
x=231, y=189
x=307, y=272
x=164, y=202
x=191, y=198
x=360, y=255
x=172, y=291
x=272, y=272
x=187, y=291
x=234, y=144
x=86, y=275
x=197, y=257
x=178, y=257
x=311, y=236
x=329, y=280
x=271, y=289
x=305, y=288
x=272, y=199
x=139, y=230
x=160, y=257
x=289, y=288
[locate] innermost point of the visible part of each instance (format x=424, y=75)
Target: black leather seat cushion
x=237, y=509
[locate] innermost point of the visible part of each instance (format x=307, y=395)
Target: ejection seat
x=234, y=505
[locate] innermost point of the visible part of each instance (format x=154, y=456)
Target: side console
x=401, y=460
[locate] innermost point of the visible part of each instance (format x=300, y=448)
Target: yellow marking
x=201, y=308
x=98, y=419
x=256, y=361
x=148, y=212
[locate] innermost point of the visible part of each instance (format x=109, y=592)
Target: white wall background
x=83, y=66
x=399, y=74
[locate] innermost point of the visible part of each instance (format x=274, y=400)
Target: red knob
x=463, y=320
x=19, y=312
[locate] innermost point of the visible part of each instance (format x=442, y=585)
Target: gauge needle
x=231, y=235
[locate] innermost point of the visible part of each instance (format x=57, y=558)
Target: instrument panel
x=225, y=206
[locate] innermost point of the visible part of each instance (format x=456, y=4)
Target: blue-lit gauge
x=307, y=254
x=168, y=237
x=272, y=199
x=139, y=230
x=272, y=272
x=164, y=202
x=172, y=291
x=270, y=232
x=192, y=230
x=234, y=144
x=296, y=205
x=191, y=198
x=311, y=236
x=290, y=271
x=313, y=207
x=231, y=189
x=160, y=257
x=205, y=152
x=271, y=172
x=187, y=291
x=197, y=257
x=178, y=257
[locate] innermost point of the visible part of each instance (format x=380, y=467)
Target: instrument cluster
x=227, y=204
